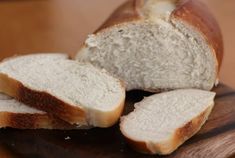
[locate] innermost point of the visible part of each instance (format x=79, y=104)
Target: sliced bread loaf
x=18, y=115
x=162, y=122
x=158, y=44
x=75, y=92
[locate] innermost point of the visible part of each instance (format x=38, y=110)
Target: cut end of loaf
x=162, y=122
x=158, y=44
x=153, y=55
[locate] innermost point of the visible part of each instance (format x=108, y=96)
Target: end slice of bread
x=162, y=122
x=75, y=92
x=18, y=115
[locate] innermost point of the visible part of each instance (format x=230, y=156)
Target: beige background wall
x=28, y=26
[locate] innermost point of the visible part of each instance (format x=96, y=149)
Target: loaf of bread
x=75, y=92
x=162, y=122
x=151, y=45
x=158, y=44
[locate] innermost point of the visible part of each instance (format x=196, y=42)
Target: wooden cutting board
x=215, y=140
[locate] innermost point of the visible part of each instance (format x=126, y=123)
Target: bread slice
x=18, y=115
x=162, y=122
x=75, y=92
x=158, y=44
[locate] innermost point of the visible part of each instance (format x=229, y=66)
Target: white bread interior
x=164, y=121
x=155, y=52
x=9, y=104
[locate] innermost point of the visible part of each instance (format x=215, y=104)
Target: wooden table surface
x=216, y=139
x=28, y=26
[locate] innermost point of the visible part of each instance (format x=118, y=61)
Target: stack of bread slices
x=170, y=46
x=77, y=93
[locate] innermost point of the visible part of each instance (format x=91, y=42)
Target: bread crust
x=180, y=136
x=125, y=13
x=190, y=129
x=108, y=119
x=46, y=102
x=197, y=14
x=32, y=121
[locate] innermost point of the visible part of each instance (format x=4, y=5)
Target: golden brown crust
x=32, y=121
x=189, y=129
x=198, y=15
x=125, y=13
x=110, y=118
x=46, y=102
x=138, y=146
x=181, y=135
x=8, y=85
x=118, y=112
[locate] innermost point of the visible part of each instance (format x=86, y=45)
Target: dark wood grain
x=216, y=139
